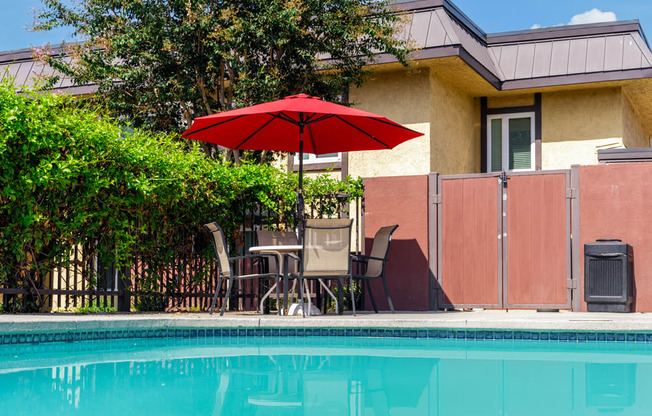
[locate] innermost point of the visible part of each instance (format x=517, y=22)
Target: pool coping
x=497, y=320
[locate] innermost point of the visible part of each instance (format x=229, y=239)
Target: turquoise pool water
x=325, y=376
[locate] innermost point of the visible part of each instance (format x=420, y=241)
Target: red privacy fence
x=509, y=241
x=400, y=200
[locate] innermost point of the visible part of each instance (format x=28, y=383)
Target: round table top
x=280, y=248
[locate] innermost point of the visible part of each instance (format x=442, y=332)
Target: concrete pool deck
x=509, y=320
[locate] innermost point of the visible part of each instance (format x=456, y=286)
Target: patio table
x=280, y=250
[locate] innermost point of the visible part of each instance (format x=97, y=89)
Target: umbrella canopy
x=277, y=125
x=300, y=123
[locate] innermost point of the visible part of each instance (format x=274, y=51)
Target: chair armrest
x=251, y=256
x=362, y=257
x=255, y=256
x=293, y=256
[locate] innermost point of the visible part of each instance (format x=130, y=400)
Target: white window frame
x=505, y=140
x=312, y=158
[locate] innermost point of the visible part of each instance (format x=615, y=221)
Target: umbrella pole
x=300, y=204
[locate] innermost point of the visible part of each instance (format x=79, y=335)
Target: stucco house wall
x=635, y=134
x=576, y=123
x=402, y=96
x=455, y=131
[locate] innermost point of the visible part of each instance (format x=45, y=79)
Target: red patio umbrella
x=280, y=126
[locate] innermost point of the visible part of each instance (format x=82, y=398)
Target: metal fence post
x=433, y=246
x=124, y=286
x=576, y=247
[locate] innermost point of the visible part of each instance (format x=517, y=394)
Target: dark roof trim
x=27, y=54
x=76, y=90
x=446, y=52
x=421, y=54
x=520, y=84
x=638, y=154
x=79, y=89
x=480, y=69
x=17, y=55
x=548, y=33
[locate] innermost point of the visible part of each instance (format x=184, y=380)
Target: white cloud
x=592, y=16
x=536, y=26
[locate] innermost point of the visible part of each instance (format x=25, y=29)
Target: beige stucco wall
x=420, y=100
x=575, y=124
x=634, y=132
x=510, y=101
x=455, y=129
x=401, y=96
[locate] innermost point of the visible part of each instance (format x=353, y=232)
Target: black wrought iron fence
x=188, y=281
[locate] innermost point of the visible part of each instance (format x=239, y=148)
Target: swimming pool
x=348, y=372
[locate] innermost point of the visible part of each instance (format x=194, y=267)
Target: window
x=510, y=142
x=325, y=158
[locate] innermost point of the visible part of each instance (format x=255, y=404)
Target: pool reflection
x=324, y=380
x=413, y=386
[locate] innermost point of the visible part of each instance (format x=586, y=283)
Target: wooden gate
x=504, y=240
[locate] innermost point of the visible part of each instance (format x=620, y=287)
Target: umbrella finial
x=291, y=97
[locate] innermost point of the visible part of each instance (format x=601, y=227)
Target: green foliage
x=162, y=63
x=74, y=177
x=96, y=307
x=152, y=302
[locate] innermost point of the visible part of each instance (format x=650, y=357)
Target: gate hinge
x=436, y=199
x=571, y=193
x=572, y=284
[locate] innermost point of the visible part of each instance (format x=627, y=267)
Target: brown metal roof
x=530, y=58
x=572, y=55
x=25, y=72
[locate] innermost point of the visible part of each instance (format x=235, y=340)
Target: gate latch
x=503, y=178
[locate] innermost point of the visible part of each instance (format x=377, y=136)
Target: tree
x=161, y=63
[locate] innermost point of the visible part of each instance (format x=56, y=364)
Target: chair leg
x=329, y=293
x=303, y=310
x=352, y=295
x=226, y=297
x=371, y=296
x=278, y=296
x=389, y=299
x=307, y=290
x=217, y=292
x=340, y=296
x=267, y=295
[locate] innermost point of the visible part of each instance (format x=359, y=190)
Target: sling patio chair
x=277, y=238
x=227, y=272
x=325, y=256
x=374, y=264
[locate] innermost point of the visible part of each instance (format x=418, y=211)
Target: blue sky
x=491, y=15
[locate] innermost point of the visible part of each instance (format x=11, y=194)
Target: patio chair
x=374, y=264
x=274, y=238
x=325, y=256
x=225, y=269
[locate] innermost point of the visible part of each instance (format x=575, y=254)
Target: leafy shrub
x=96, y=307
x=72, y=176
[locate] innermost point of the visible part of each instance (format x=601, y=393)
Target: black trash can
x=608, y=276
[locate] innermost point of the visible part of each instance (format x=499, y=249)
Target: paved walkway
x=473, y=319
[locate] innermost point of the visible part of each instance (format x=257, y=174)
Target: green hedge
x=70, y=175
